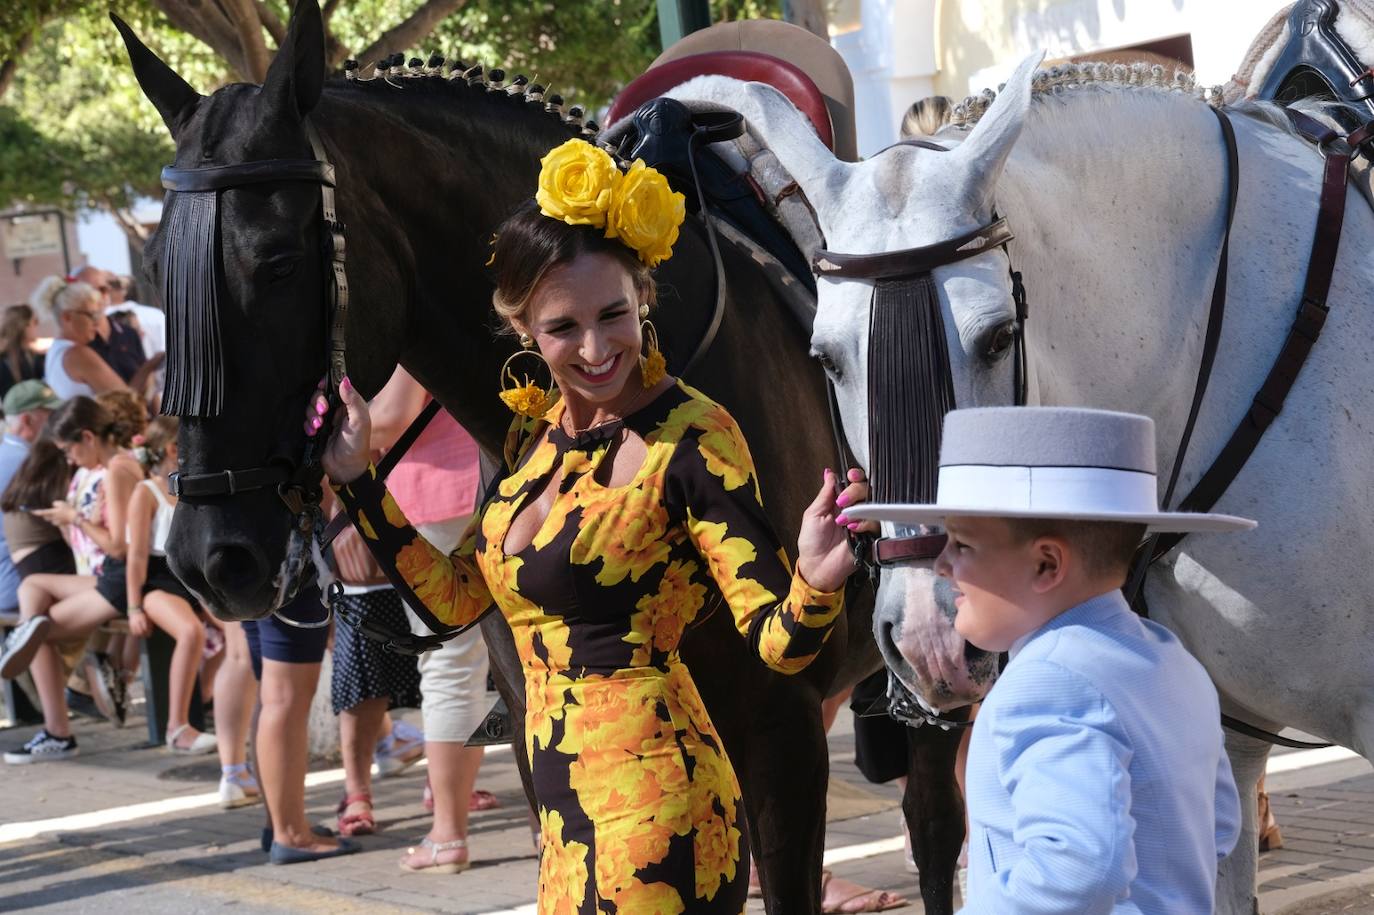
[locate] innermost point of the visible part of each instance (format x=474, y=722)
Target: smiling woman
x=629, y=502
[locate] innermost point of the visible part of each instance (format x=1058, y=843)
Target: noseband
x=195, y=366
x=910, y=385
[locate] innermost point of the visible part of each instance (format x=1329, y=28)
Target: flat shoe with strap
x=434, y=867
x=204, y=743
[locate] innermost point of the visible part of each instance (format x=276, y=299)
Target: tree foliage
x=76, y=131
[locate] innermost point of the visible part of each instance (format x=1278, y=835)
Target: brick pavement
x=204, y=859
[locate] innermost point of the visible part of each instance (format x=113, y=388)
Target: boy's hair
x=1105, y=547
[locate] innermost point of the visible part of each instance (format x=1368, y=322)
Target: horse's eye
x=283, y=266
x=828, y=364
x=1000, y=342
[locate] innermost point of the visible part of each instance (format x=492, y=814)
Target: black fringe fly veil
x=195, y=355
x=910, y=389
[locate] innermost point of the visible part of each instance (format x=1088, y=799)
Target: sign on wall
x=31, y=235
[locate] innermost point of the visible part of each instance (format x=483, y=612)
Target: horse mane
x=395, y=71
x=1060, y=80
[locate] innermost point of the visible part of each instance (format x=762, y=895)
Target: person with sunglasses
x=72, y=368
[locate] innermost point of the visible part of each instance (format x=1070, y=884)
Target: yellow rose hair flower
x=645, y=213
x=576, y=181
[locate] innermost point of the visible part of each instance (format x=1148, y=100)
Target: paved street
x=126, y=828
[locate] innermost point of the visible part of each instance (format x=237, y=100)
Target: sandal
x=482, y=800
x=356, y=824
x=435, y=848
x=865, y=900
x=204, y=742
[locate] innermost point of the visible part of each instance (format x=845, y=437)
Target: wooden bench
x=156, y=651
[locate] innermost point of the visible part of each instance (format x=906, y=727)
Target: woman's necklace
x=629, y=408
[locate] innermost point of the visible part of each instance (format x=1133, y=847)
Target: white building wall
x=907, y=49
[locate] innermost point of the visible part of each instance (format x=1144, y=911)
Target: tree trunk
x=11, y=66
x=809, y=14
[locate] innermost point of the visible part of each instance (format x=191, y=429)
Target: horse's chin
x=913, y=625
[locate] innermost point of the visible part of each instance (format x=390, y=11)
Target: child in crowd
x=1097, y=777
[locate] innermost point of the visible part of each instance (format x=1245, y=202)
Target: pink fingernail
x=321, y=406
x=855, y=526
x=346, y=383
x=316, y=423
x=842, y=519
x=843, y=500
x=309, y=431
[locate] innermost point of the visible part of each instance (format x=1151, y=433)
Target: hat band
x=1052, y=490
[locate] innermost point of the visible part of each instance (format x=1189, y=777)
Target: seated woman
x=58, y=607
x=154, y=595
x=36, y=546
x=71, y=368
x=631, y=500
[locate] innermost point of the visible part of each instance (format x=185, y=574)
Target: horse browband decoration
x=195, y=358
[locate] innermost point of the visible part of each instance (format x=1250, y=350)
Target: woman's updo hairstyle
x=128, y=412
x=529, y=244
x=151, y=447
x=55, y=295
x=78, y=415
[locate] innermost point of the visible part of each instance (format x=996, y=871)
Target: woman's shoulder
x=125, y=465
x=690, y=414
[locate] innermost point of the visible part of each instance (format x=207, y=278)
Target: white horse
x=1117, y=196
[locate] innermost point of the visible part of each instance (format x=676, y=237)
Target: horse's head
x=888, y=367
x=902, y=351
x=237, y=262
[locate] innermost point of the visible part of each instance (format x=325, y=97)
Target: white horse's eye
x=828, y=364
x=1000, y=342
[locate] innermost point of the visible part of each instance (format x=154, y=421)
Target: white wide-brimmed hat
x=1049, y=462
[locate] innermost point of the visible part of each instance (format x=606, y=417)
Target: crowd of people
x=87, y=513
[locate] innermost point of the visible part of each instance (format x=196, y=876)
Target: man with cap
x=27, y=406
x=1097, y=776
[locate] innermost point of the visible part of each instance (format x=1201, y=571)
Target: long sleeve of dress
x=445, y=591
x=713, y=490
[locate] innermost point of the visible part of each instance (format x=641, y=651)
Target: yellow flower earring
x=652, y=365
x=521, y=394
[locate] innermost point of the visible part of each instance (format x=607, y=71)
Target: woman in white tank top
x=155, y=596
x=71, y=367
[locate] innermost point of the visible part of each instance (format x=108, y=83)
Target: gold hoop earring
x=652, y=366
x=521, y=394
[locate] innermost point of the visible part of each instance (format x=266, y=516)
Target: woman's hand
x=139, y=624
x=62, y=513
x=824, y=555
x=346, y=456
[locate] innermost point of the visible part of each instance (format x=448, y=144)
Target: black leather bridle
x=298, y=485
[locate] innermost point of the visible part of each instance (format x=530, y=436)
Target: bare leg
x=283, y=750
x=175, y=617
x=452, y=775
x=38, y=593
x=76, y=616
x=360, y=727
x=237, y=692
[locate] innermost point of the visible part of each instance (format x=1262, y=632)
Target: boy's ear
x=1052, y=556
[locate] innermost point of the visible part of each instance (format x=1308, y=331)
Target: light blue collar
x=1093, y=610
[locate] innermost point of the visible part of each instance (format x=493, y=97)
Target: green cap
x=30, y=395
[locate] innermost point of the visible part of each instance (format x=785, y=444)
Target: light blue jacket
x=1097, y=780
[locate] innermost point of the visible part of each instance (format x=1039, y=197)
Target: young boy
x=1097, y=779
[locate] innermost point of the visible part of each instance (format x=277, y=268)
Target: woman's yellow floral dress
x=639, y=807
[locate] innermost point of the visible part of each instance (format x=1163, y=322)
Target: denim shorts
x=274, y=640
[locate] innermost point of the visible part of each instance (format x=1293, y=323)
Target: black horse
x=425, y=170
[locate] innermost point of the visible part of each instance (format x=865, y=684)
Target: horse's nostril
x=236, y=569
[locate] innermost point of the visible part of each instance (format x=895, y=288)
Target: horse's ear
x=296, y=78
x=171, y=95
x=990, y=142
